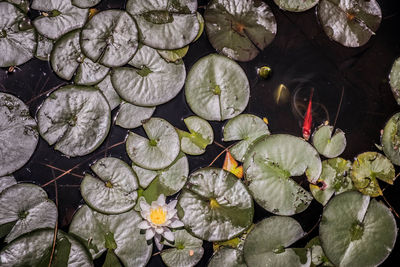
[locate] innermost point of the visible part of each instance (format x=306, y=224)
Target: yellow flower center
x=158, y=216
x=214, y=203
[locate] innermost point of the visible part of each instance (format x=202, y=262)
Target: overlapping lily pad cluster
x=132, y=59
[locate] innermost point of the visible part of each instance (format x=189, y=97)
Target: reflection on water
x=281, y=94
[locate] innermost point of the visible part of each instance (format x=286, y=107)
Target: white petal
x=161, y=200
x=171, y=214
x=144, y=225
x=150, y=233
x=157, y=240
x=159, y=230
x=176, y=224
x=169, y=235
x=171, y=205
x=144, y=206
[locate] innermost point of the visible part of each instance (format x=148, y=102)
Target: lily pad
x=44, y=48
x=21, y=4
x=245, y=128
x=365, y=235
x=114, y=191
x=186, y=251
x=174, y=55
x=240, y=29
x=99, y=231
x=165, y=24
x=18, y=134
x=34, y=249
x=130, y=116
x=269, y=166
x=74, y=118
x=110, y=38
x=200, y=135
x=67, y=59
x=328, y=145
x=215, y=205
x=349, y=22
x=367, y=168
x=394, y=80
x=157, y=152
x=85, y=3
x=335, y=179
x=7, y=181
x=267, y=244
x=318, y=257
x=17, y=37
x=227, y=257
x=106, y=87
x=151, y=82
x=58, y=17
x=390, y=139
x=217, y=88
x=296, y=5
x=27, y=207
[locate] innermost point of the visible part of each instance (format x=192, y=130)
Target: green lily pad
x=267, y=244
x=18, y=134
x=157, y=152
x=296, y=5
x=245, y=128
x=217, y=88
x=67, y=59
x=100, y=231
x=269, y=166
x=168, y=181
x=44, y=48
x=215, y=205
x=74, y=118
x=7, y=181
x=114, y=191
x=58, y=17
x=165, y=24
x=186, y=251
x=349, y=22
x=110, y=38
x=394, y=80
x=365, y=235
x=200, y=135
x=130, y=116
x=318, y=258
x=151, y=82
x=174, y=55
x=17, y=37
x=85, y=3
x=335, y=179
x=27, y=207
x=106, y=87
x=390, y=139
x=367, y=168
x=328, y=145
x=21, y=4
x=240, y=29
x=227, y=257
x=34, y=249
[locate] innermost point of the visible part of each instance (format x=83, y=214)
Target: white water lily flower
x=159, y=217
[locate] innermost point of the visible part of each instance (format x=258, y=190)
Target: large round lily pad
x=114, y=191
x=18, y=134
x=215, y=205
x=7, y=181
x=58, y=17
x=245, y=128
x=394, y=80
x=130, y=116
x=296, y=5
x=269, y=166
x=157, y=152
x=186, y=251
x=227, y=257
x=106, y=87
x=200, y=135
x=240, y=29
x=17, y=43
x=67, y=59
x=25, y=207
x=349, y=22
x=74, y=118
x=151, y=82
x=110, y=38
x=365, y=235
x=85, y=3
x=367, y=168
x=328, y=144
x=267, y=244
x=34, y=249
x=119, y=232
x=335, y=179
x=165, y=24
x=390, y=139
x=217, y=88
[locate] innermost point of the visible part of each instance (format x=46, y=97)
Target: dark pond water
x=301, y=57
